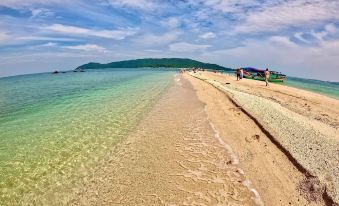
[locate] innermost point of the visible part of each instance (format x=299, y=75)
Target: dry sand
x=301, y=124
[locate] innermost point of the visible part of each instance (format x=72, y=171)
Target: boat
x=259, y=74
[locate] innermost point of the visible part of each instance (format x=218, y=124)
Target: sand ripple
x=173, y=158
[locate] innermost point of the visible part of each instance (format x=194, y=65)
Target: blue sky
x=297, y=37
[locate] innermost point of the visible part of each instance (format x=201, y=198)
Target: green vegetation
x=150, y=62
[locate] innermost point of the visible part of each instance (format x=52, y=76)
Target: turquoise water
x=322, y=87
x=54, y=128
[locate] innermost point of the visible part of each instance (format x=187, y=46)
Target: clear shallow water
x=322, y=87
x=54, y=127
x=328, y=88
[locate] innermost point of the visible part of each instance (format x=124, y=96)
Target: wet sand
x=301, y=125
x=174, y=157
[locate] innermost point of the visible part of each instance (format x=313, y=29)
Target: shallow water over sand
x=55, y=128
x=172, y=158
x=110, y=140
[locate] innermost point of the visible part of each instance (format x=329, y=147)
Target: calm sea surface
x=328, y=88
x=322, y=87
x=54, y=127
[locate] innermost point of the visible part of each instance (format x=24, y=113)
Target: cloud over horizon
x=297, y=37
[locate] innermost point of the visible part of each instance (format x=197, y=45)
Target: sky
x=297, y=37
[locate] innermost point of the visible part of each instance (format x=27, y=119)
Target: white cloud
x=329, y=49
x=87, y=48
x=171, y=22
x=289, y=13
x=12, y=39
x=329, y=29
x=299, y=36
x=152, y=50
x=187, y=47
x=44, y=38
x=41, y=12
x=28, y=3
x=110, y=34
x=4, y=37
x=230, y=6
x=282, y=41
x=319, y=35
x=208, y=35
x=139, y=4
x=50, y=44
x=155, y=40
x=36, y=12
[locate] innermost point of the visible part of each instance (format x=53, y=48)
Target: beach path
x=301, y=124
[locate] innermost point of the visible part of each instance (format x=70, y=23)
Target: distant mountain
x=151, y=62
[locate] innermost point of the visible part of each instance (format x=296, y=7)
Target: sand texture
x=207, y=143
x=302, y=124
x=174, y=157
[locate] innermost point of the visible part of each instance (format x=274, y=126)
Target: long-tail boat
x=259, y=74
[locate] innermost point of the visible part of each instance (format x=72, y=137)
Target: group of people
x=240, y=74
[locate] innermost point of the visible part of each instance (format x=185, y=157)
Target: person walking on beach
x=267, y=76
x=238, y=74
x=241, y=73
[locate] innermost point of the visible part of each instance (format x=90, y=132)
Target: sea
x=55, y=127
x=330, y=89
x=327, y=88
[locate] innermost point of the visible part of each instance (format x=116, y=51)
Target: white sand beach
x=211, y=143
x=301, y=124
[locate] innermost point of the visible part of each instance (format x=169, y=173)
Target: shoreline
x=334, y=96
x=304, y=89
x=327, y=191
x=208, y=149
x=200, y=144
x=172, y=158
x=197, y=146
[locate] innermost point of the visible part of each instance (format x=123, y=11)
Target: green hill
x=151, y=62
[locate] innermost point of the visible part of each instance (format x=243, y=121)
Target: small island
x=154, y=63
